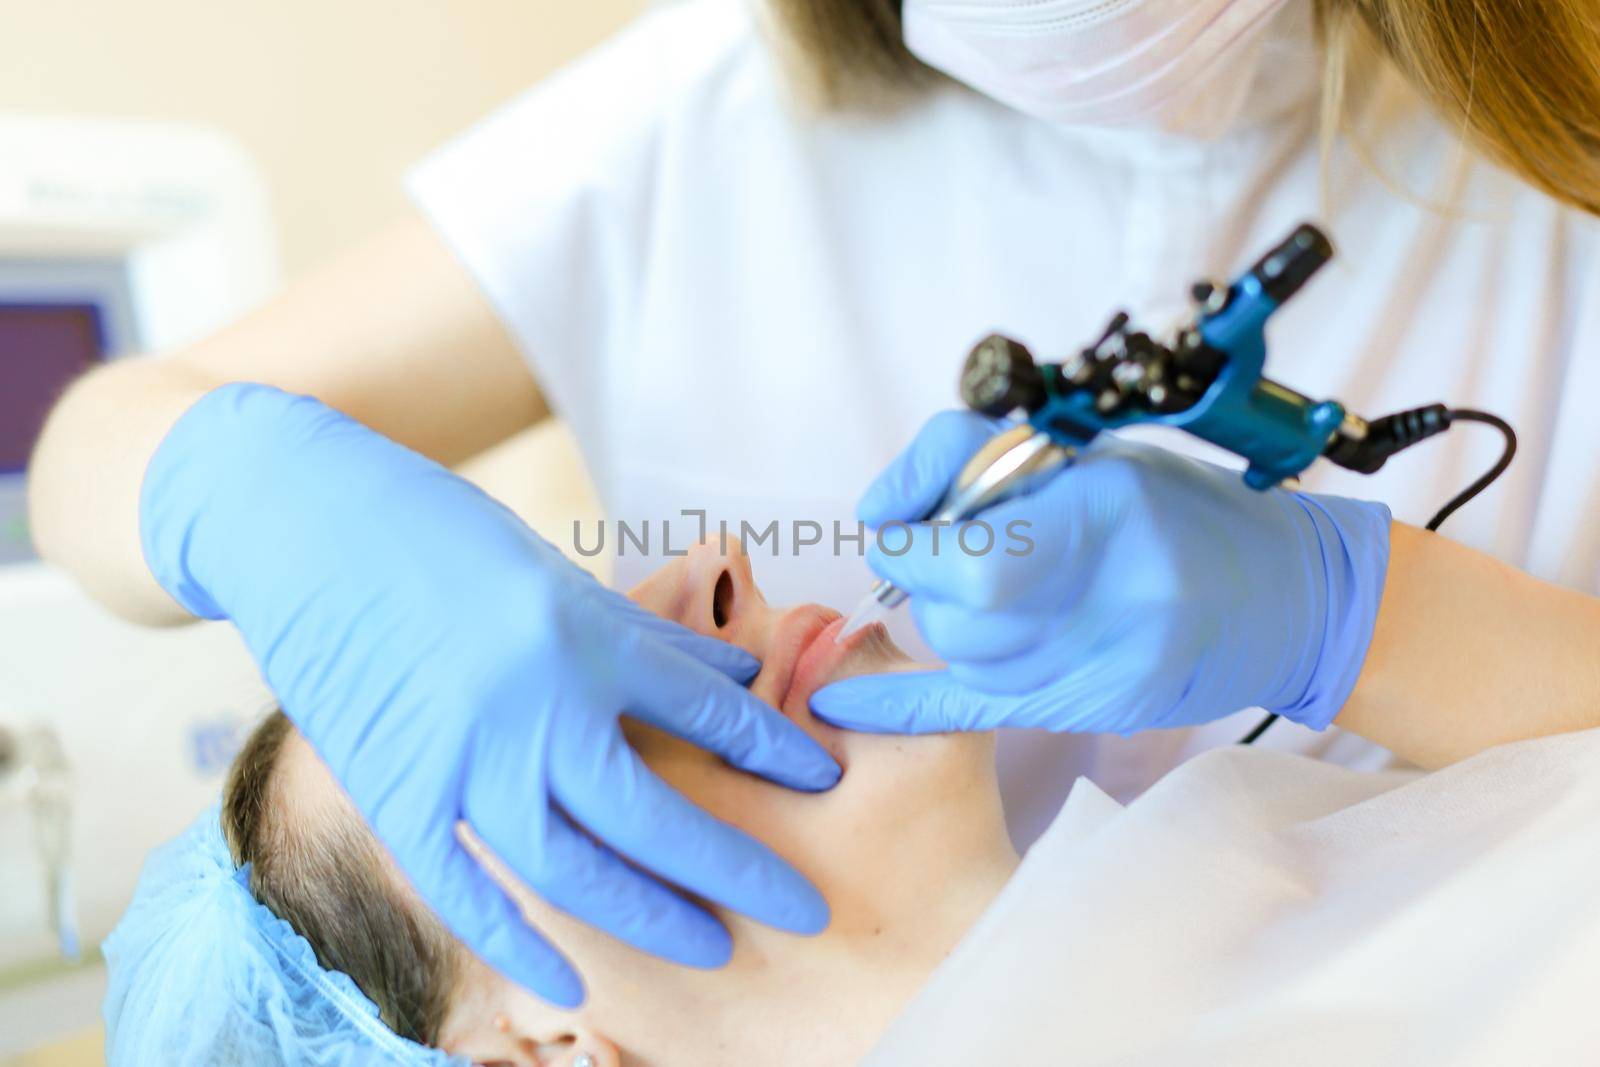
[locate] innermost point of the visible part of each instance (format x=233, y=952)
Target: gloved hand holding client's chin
x=1151, y=591
x=447, y=664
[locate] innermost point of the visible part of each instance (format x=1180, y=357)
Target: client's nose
x=722, y=599
x=711, y=590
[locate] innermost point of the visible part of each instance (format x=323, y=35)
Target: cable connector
x=1386, y=436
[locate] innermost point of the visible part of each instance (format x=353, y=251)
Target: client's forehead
x=304, y=787
x=312, y=799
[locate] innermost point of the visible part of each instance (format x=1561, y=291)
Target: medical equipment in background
x=36, y=782
x=1209, y=381
x=116, y=238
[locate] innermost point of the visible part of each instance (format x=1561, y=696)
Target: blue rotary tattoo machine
x=1208, y=380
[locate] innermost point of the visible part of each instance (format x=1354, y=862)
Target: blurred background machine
x=116, y=238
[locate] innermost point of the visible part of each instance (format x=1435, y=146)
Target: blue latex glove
x=1160, y=592
x=448, y=665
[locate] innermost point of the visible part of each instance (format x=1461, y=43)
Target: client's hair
x=328, y=878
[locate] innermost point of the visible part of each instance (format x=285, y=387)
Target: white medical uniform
x=747, y=308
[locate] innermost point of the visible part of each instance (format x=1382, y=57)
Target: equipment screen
x=43, y=347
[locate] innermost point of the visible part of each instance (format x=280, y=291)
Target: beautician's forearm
x=396, y=334
x=84, y=482
x=1469, y=653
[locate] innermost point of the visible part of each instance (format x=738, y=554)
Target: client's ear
x=556, y=1046
x=510, y=1043
x=494, y=1024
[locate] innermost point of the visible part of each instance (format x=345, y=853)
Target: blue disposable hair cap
x=203, y=975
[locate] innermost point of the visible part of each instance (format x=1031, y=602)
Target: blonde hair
x=1521, y=78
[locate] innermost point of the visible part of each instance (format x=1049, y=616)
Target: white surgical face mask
x=1179, y=65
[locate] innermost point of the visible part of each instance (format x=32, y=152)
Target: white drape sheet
x=1258, y=907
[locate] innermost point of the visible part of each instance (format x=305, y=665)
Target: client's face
x=713, y=592
x=908, y=850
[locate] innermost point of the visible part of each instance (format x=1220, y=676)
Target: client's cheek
x=748, y=630
x=664, y=592
x=662, y=753
x=688, y=768
x=733, y=796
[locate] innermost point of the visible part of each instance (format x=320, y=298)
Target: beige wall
x=332, y=97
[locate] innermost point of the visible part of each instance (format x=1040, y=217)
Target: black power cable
x=1506, y=456
x=1406, y=429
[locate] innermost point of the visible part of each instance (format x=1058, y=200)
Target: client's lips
x=803, y=654
x=791, y=638
x=819, y=662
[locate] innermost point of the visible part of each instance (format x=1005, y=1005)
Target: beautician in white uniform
x=746, y=299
